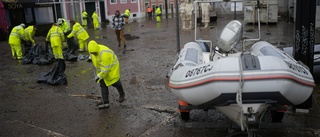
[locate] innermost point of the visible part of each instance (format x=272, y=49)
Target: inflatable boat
x=242, y=85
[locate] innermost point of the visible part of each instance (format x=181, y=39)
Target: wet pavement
x=34, y=109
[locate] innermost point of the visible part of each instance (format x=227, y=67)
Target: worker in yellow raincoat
x=56, y=37
x=107, y=67
x=127, y=15
x=64, y=25
x=158, y=14
x=95, y=19
x=80, y=33
x=84, y=18
x=29, y=33
x=16, y=36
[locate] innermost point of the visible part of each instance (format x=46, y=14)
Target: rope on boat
x=239, y=93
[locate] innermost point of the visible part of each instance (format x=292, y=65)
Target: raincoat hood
x=93, y=46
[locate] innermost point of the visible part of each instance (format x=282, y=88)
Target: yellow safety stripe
x=79, y=31
x=55, y=34
x=15, y=33
x=111, y=65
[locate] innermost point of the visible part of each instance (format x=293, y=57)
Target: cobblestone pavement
x=28, y=108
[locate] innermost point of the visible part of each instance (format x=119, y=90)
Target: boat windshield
x=269, y=51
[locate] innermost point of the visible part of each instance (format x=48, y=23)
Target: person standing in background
x=117, y=25
x=149, y=11
x=127, y=15
x=95, y=19
x=158, y=14
x=84, y=18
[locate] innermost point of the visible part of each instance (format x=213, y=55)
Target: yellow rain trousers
x=17, y=34
x=56, y=37
x=95, y=20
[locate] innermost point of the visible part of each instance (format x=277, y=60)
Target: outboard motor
x=230, y=36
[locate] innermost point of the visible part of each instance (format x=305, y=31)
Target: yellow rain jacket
x=95, y=19
x=56, y=36
x=17, y=34
x=84, y=18
x=158, y=11
x=65, y=26
x=84, y=14
x=29, y=33
x=79, y=32
x=106, y=63
x=127, y=13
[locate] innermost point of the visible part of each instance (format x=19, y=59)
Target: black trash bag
x=56, y=76
x=73, y=45
x=39, y=54
x=69, y=57
x=48, y=49
x=28, y=58
x=44, y=55
x=27, y=46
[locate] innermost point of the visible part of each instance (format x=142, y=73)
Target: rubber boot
x=119, y=87
x=121, y=96
x=104, y=104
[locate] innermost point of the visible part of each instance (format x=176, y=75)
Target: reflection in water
x=158, y=24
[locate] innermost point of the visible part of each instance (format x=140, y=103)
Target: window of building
x=113, y=1
x=133, y=1
x=123, y=1
x=160, y=6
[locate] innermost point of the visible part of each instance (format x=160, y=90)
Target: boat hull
x=272, y=78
